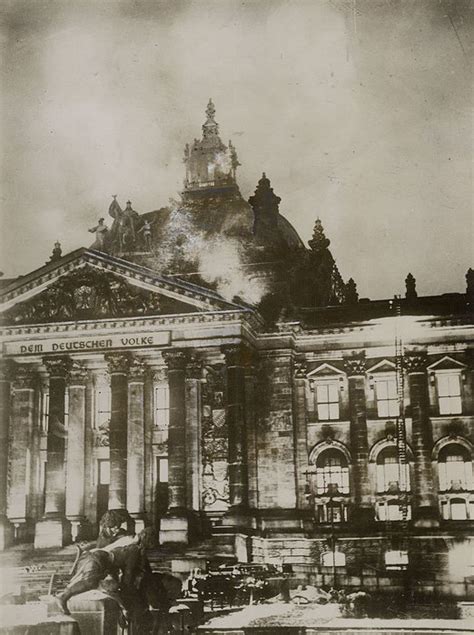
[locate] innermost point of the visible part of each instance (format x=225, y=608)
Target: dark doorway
x=161, y=489
x=103, y=482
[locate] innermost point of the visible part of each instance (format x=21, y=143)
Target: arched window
x=332, y=473
x=455, y=468
x=389, y=472
x=333, y=559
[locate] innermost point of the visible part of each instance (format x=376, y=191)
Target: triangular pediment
x=384, y=366
x=447, y=363
x=324, y=370
x=91, y=285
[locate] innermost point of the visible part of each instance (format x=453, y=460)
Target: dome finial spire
x=210, y=110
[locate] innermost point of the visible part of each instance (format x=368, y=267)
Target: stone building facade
x=310, y=428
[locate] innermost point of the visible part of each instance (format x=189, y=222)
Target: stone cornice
x=131, y=323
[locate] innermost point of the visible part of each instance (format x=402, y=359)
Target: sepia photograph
x=236, y=317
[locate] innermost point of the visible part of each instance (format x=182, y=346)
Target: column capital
x=300, y=369
x=175, y=359
x=23, y=377
x=415, y=362
x=355, y=364
x=58, y=367
x=77, y=374
x=118, y=363
x=7, y=369
x=194, y=368
x=159, y=375
x=137, y=370
x=238, y=355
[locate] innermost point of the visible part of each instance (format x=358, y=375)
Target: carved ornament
x=85, y=294
x=415, y=362
x=58, y=367
x=355, y=364
x=118, y=363
x=24, y=377
x=77, y=374
x=175, y=360
x=137, y=370
x=300, y=369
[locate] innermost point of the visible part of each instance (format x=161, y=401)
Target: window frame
x=378, y=380
x=449, y=398
x=330, y=404
x=158, y=423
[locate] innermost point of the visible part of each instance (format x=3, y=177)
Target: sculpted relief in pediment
x=84, y=294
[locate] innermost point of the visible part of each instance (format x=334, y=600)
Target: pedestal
x=95, y=613
x=174, y=529
x=52, y=532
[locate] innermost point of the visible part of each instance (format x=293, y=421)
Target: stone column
x=251, y=433
x=118, y=364
x=54, y=530
x=76, y=450
x=193, y=433
x=235, y=411
x=174, y=526
x=363, y=511
x=425, y=511
x=136, y=444
x=24, y=382
x=5, y=526
x=301, y=443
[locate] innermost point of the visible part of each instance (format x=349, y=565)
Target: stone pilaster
x=301, y=443
x=24, y=383
x=118, y=364
x=54, y=530
x=136, y=444
x=193, y=433
x=76, y=450
x=6, y=533
x=235, y=406
x=174, y=526
x=363, y=511
x=425, y=511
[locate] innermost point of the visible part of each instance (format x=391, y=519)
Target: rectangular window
x=103, y=404
x=327, y=401
x=162, y=406
x=162, y=470
x=44, y=410
x=104, y=472
x=396, y=559
x=387, y=397
x=449, y=394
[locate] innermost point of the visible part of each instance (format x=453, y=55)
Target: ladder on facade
x=400, y=420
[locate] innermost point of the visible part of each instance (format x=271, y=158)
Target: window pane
x=458, y=510
x=322, y=393
x=382, y=408
x=381, y=388
x=454, y=385
x=333, y=393
x=104, y=472
x=334, y=411
x=163, y=470
x=443, y=385
x=393, y=408
x=456, y=405
x=444, y=406
x=392, y=389
x=323, y=411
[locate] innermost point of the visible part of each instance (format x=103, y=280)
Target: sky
x=359, y=111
